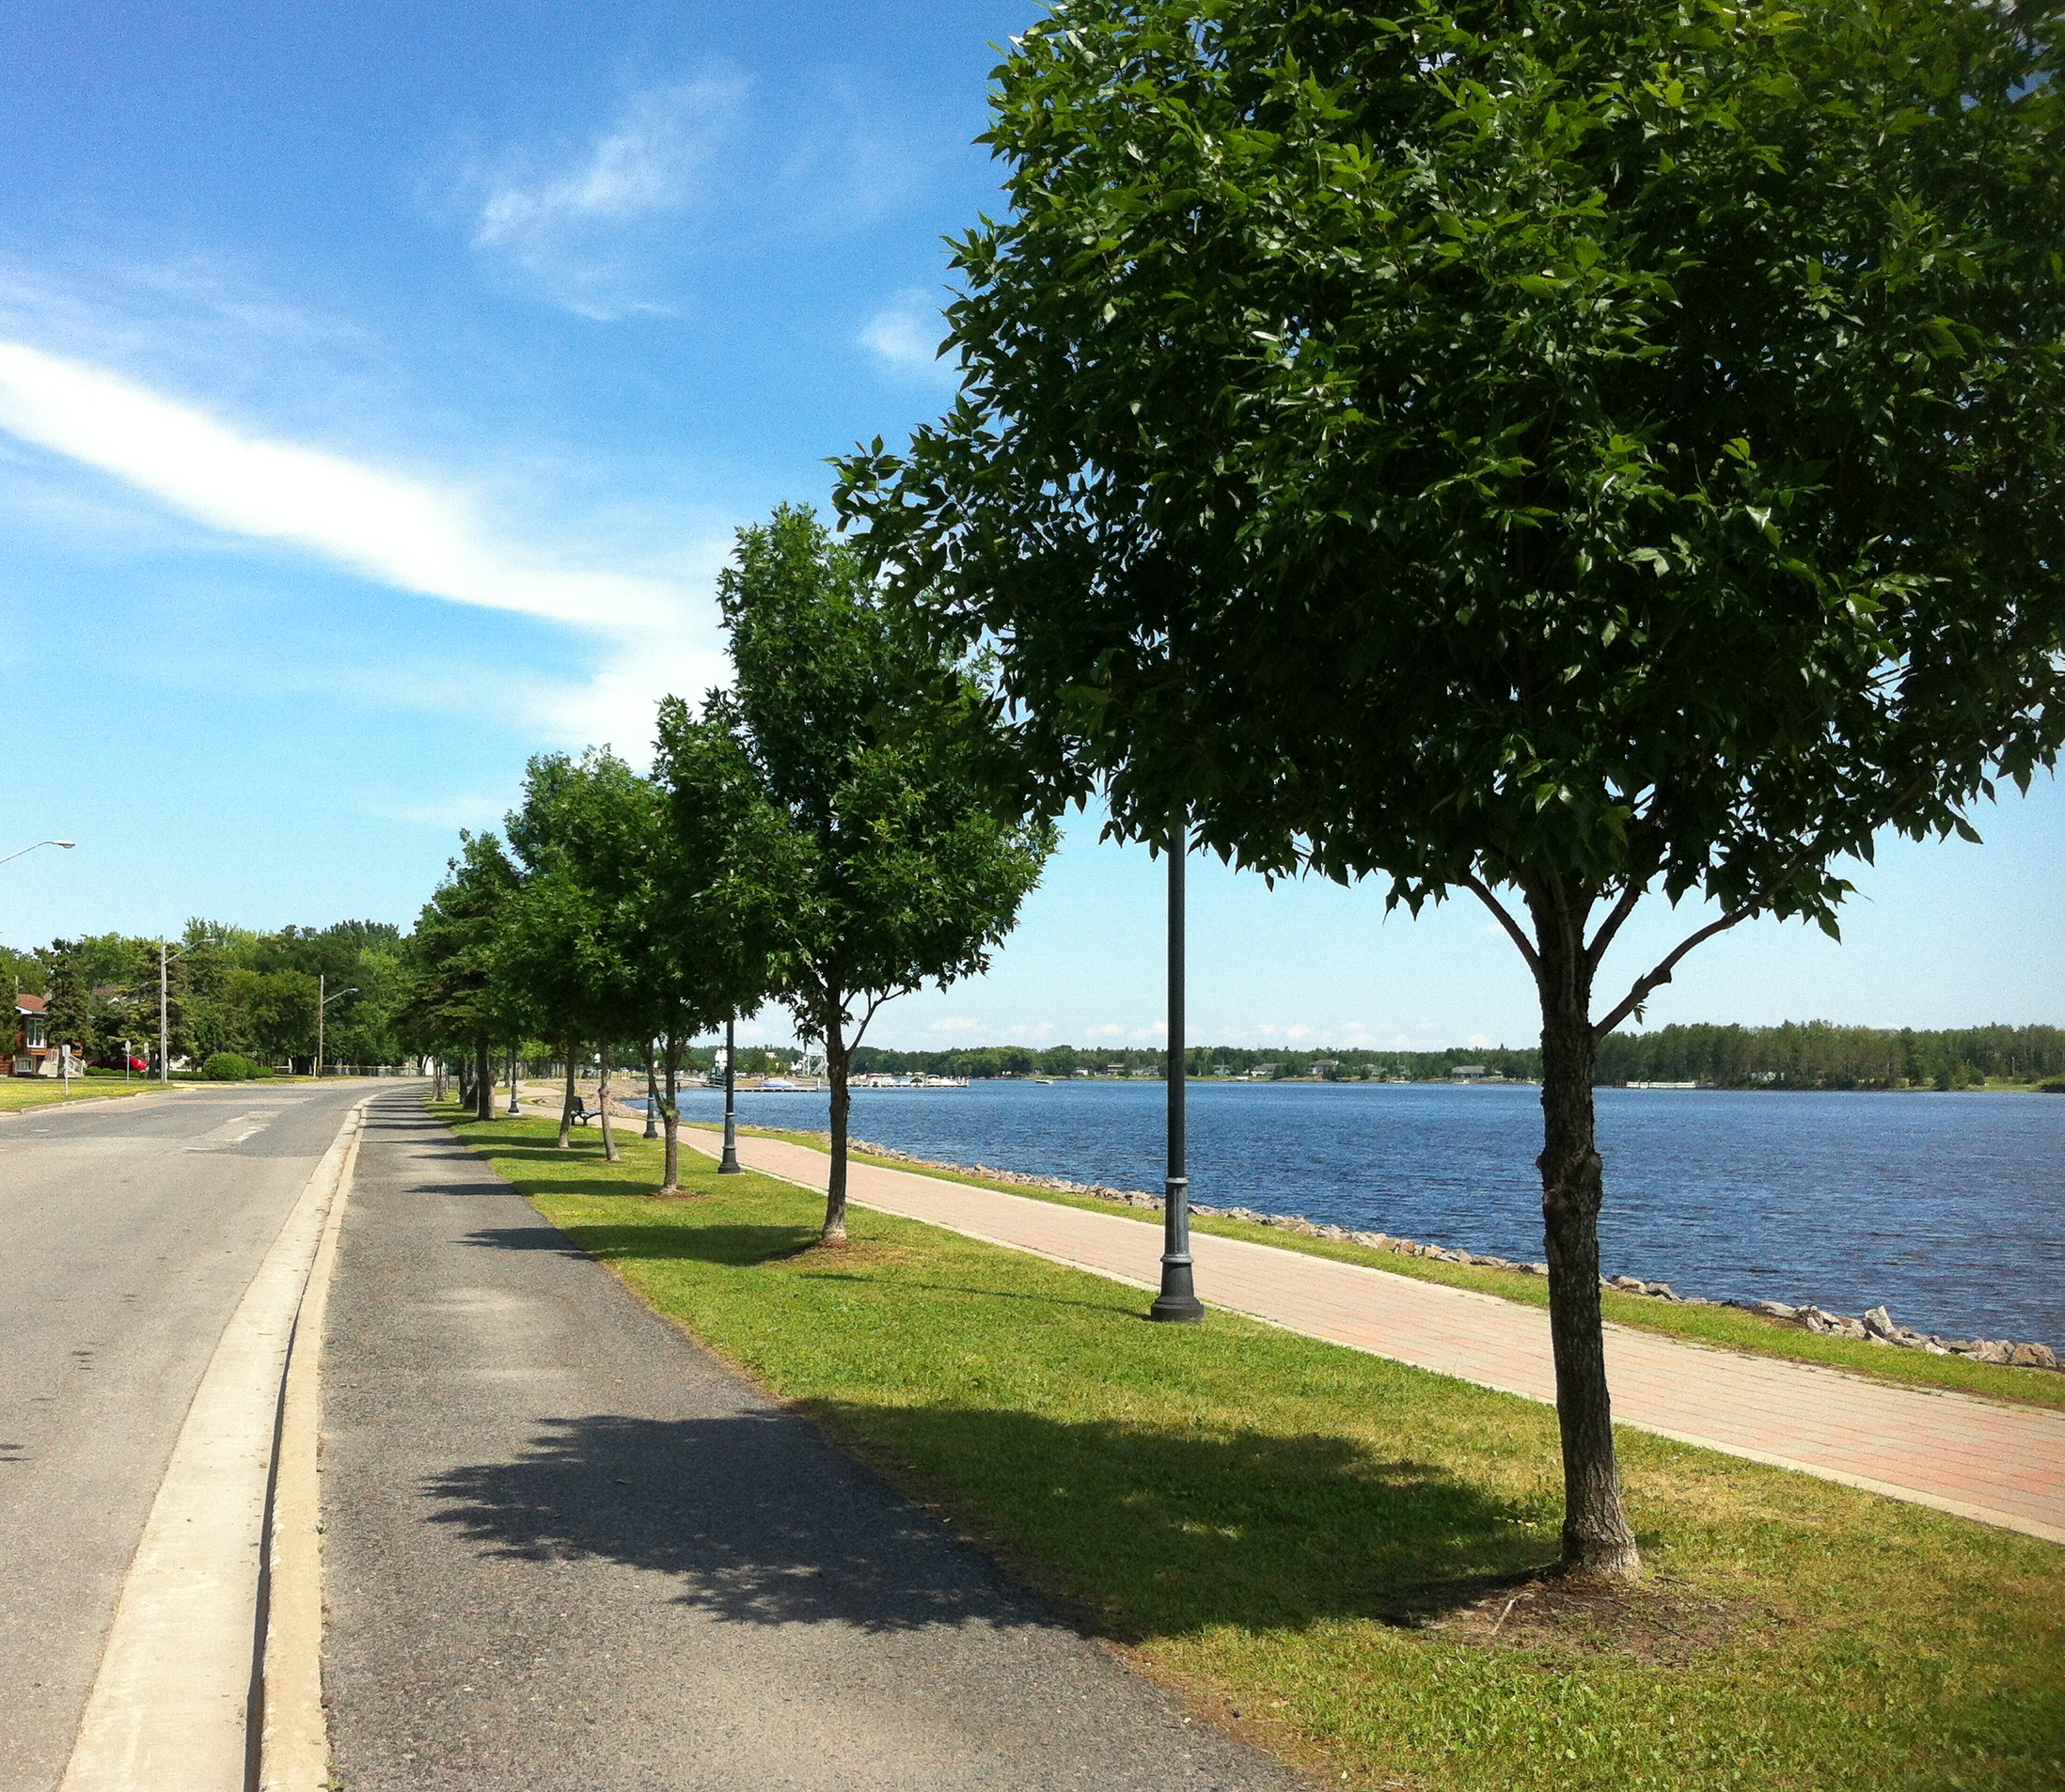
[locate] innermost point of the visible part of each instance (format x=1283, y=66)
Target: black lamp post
x=1177, y=1303
x=728, y=1164
x=651, y=1097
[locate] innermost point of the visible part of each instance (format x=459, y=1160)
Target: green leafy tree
x=582, y=937
x=456, y=1001
x=1555, y=452
x=839, y=777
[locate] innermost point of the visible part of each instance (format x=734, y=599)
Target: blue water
x=1948, y=1208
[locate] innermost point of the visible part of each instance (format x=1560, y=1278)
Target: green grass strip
x=1317, y=1546
x=1723, y=1328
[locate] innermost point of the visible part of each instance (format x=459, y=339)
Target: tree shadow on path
x=1138, y=1530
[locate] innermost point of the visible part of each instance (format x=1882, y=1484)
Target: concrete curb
x=181, y=1677
x=294, y=1745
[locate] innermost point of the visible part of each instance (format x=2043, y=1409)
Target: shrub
x=232, y=1067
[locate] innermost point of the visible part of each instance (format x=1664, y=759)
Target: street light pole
x=322, y=1002
x=728, y=1164
x=164, y=1046
x=1177, y=1302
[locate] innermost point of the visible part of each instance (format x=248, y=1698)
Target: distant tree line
x=227, y=989
x=1813, y=1054
x=1817, y=1054
x=1357, y=1065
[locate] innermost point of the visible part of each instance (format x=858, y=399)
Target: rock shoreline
x=1875, y=1325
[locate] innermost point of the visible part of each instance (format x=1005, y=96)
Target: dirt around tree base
x=1651, y=1620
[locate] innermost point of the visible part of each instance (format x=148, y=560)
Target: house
x=1467, y=1074
x=1325, y=1067
x=32, y=1056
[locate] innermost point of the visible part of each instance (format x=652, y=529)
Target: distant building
x=1114, y=1070
x=1467, y=1073
x=32, y=1055
x=1326, y=1067
x=1263, y=1073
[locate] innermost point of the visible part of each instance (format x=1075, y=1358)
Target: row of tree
x=1798, y=1055
x=1200, y=1061
x=227, y=989
x=1817, y=1055
x=818, y=835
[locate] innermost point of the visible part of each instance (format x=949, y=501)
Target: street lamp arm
x=67, y=844
x=336, y=993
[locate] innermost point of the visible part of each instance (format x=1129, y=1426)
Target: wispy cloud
x=956, y=1024
x=903, y=337
x=403, y=534
x=574, y=224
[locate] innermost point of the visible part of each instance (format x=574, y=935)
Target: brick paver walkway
x=2002, y=1465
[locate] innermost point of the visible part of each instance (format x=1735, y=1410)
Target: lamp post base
x=1177, y=1303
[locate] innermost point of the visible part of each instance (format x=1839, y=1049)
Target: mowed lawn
x=1330, y=1553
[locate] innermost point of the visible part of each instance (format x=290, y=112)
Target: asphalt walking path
x=567, y=1549
x=1981, y=1459
x=129, y=1232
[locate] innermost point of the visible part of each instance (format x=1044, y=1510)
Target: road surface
x=129, y=1230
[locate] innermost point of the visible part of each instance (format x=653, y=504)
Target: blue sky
x=380, y=387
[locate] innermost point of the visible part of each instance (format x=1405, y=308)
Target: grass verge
x=1334, y=1554
x=1723, y=1328
x=17, y=1093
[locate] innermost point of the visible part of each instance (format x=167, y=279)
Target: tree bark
x=483, y=1079
x=602, y=1101
x=1597, y=1539
x=837, y=1065
x=670, y=1120
x=566, y=1106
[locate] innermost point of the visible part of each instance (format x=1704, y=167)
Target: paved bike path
x=2000, y=1464
x=568, y=1549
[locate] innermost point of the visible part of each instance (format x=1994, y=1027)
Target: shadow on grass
x=739, y=1245
x=1139, y=1530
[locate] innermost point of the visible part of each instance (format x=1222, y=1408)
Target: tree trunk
x=466, y=1080
x=602, y=1101
x=483, y=1079
x=1597, y=1539
x=836, y=1068
x=566, y=1106
x=670, y=1120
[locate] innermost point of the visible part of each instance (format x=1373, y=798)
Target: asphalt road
x=567, y=1549
x=129, y=1230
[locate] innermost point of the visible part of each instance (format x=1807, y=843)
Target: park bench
x=583, y=1113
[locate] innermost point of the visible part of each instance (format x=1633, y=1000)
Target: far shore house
x=1325, y=1067
x=1469, y=1074
x=32, y=1056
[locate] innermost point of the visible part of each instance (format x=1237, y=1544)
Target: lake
x=1949, y=1208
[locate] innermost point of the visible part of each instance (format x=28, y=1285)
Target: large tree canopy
x=1557, y=451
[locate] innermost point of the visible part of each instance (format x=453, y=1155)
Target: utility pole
x=322, y=1002
x=1177, y=1302
x=165, y=1048
x=728, y=1164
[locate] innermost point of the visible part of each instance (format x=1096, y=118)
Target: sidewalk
x=567, y=1547
x=2001, y=1465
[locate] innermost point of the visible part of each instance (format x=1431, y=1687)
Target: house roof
x=26, y=1004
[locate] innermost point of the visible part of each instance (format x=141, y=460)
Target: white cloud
x=905, y=336
x=956, y=1024
x=576, y=226
x=1042, y=1029
x=404, y=533
x=446, y=812
x=1111, y=1032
